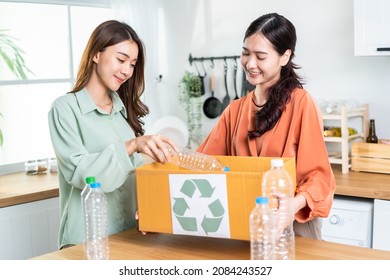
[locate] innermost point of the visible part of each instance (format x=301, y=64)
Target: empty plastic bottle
x=193, y=160
x=278, y=186
x=261, y=235
x=85, y=191
x=96, y=224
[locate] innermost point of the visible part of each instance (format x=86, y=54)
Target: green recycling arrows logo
x=199, y=204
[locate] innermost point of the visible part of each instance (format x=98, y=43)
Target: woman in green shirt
x=96, y=130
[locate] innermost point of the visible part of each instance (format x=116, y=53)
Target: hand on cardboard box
x=137, y=218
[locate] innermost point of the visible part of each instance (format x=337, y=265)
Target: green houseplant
x=12, y=57
x=190, y=91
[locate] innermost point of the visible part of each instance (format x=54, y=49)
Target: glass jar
x=52, y=162
x=42, y=166
x=31, y=167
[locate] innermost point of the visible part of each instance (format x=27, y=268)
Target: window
x=53, y=41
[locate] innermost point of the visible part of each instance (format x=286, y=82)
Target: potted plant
x=12, y=57
x=190, y=91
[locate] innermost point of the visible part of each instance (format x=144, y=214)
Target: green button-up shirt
x=90, y=142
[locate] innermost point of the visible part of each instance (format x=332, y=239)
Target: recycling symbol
x=197, y=207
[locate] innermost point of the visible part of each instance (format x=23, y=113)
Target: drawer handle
x=334, y=219
x=383, y=49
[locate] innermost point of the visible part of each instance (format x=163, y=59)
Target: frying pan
x=212, y=107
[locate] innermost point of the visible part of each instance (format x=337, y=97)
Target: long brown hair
x=281, y=33
x=110, y=33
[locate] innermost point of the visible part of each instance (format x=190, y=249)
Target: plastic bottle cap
x=90, y=180
x=261, y=200
x=95, y=185
x=277, y=162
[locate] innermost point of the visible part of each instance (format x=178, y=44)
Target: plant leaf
x=1, y=138
x=12, y=56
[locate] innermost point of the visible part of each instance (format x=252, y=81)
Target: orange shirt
x=298, y=134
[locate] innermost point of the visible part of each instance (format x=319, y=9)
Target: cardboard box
x=220, y=202
x=370, y=157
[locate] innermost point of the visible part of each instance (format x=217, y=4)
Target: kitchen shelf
x=344, y=117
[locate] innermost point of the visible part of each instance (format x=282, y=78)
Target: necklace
x=106, y=107
x=258, y=106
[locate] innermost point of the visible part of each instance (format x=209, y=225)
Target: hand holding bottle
x=195, y=161
x=281, y=220
x=154, y=146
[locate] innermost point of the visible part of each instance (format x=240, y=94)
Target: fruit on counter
x=336, y=131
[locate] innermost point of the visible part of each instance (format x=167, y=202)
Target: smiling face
x=261, y=62
x=116, y=64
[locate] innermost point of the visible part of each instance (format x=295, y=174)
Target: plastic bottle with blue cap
x=261, y=231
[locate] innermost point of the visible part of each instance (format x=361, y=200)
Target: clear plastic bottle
x=96, y=224
x=85, y=191
x=83, y=195
x=196, y=161
x=261, y=231
x=278, y=186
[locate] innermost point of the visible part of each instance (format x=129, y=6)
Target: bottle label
x=199, y=205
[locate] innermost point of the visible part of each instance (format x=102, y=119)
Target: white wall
x=324, y=50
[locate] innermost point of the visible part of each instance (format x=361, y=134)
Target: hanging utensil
x=246, y=86
x=243, y=89
x=203, y=91
x=226, y=99
x=212, y=107
x=235, y=80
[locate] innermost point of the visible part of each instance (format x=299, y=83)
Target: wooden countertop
x=362, y=184
x=21, y=188
x=132, y=245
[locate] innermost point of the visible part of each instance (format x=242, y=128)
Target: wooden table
x=132, y=245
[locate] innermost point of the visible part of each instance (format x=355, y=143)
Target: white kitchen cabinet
x=381, y=234
x=371, y=27
x=349, y=222
x=343, y=120
x=30, y=229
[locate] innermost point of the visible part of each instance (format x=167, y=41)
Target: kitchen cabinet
x=29, y=229
x=343, y=120
x=381, y=233
x=371, y=27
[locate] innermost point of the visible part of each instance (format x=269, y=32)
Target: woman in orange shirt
x=278, y=119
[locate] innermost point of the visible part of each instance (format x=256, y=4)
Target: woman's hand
x=137, y=219
x=282, y=216
x=287, y=205
x=154, y=146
